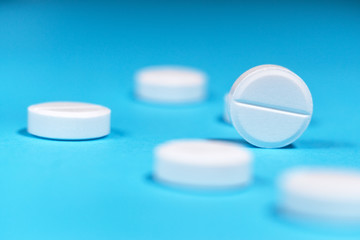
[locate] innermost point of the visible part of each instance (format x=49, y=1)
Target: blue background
x=89, y=51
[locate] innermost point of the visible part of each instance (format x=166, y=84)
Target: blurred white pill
x=170, y=84
x=68, y=120
x=321, y=193
x=203, y=164
x=270, y=106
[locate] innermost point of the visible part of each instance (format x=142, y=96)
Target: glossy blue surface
x=102, y=189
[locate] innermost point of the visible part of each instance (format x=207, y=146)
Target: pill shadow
x=23, y=132
x=221, y=120
x=278, y=214
x=115, y=133
x=246, y=144
x=321, y=144
x=314, y=123
x=308, y=223
x=299, y=144
x=231, y=191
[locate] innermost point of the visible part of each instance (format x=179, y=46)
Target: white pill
x=202, y=164
x=170, y=84
x=270, y=106
x=68, y=120
x=321, y=193
x=226, y=115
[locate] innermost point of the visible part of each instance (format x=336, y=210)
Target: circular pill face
x=270, y=106
x=68, y=120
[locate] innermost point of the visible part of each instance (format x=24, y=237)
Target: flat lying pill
x=270, y=106
x=170, y=84
x=202, y=164
x=68, y=120
x=321, y=193
x=226, y=115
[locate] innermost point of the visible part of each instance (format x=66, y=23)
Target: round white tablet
x=202, y=164
x=170, y=84
x=321, y=193
x=270, y=106
x=68, y=120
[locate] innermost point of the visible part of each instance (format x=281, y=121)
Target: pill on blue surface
x=270, y=106
x=321, y=193
x=68, y=120
x=200, y=163
x=171, y=85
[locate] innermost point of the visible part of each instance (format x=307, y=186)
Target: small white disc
x=170, y=84
x=270, y=106
x=321, y=193
x=203, y=164
x=68, y=120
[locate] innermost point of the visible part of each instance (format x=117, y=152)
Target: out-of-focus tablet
x=270, y=106
x=202, y=164
x=170, y=84
x=68, y=120
x=321, y=193
x=226, y=116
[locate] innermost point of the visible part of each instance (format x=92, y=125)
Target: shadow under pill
x=298, y=144
x=307, y=223
x=321, y=144
x=221, y=120
x=314, y=123
x=23, y=132
x=279, y=215
x=231, y=191
x=234, y=140
x=261, y=181
x=248, y=145
x=283, y=218
x=117, y=133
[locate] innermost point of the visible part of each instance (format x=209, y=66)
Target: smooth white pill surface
x=202, y=164
x=68, y=120
x=321, y=193
x=170, y=84
x=270, y=106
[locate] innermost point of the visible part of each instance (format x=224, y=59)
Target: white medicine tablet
x=68, y=120
x=321, y=193
x=203, y=164
x=170, y=84
x=270, y=106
